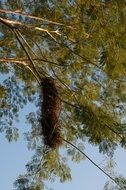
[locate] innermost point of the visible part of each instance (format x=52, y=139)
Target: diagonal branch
x=34, y=17
x=28, y=55
x=121, y=188
x=23, y=59
x=17, y=63
x=16, y=32
x=19, y=25
x=24, y=26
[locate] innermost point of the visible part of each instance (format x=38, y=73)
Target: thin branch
x=28, y=55
x=19, y=25
x=33, y=65
x=34, y=17
x=24, y=40
x=66, y=85
x=23, y=59
x=43, y=58
x=10, y=22
x=22, y=26
x=10, y=25
x=20, y=61
x=94, y=163
x=106, y=125
x=114, y=131
x=16, y=62
x=82, y=57
x=12, y=60
x=62, y=82
x=70, y=104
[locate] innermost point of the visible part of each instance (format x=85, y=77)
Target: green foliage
x=82, y=45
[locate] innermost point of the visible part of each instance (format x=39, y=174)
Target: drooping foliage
x=82, y=45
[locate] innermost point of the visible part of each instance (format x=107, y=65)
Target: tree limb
x=10, y=25
x=34, y=17
x=121, y=188
x=23, y=59
x=19, y=62
x=23, y=26
x=28, y=55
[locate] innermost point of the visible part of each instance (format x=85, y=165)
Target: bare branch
x=34, y=17
x=16, y=32
x=23, y=59
x=28, y=55
x=17, y=62
x=121, y=188
x=12, y=60
x=23, y=26
x=82, y=57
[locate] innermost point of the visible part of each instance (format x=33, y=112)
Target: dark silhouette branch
x=106, y=125
x=28, y=55
x=38, y=77
x=10, y=25
x=75, y=53
x=70, y=104
x=62, y=82
x=114, y=131
x=122, y=188
x=18, y=63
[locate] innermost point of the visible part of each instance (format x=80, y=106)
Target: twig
x=70, y=104
x=62, y=82
x=34, y=67
x=114, y=131
x=23, y=26
x=22, y=61
x=82, y=57
x=93, y=163
x=34, y=17
x=25, y=60
x=28, y=55
x=9, y=24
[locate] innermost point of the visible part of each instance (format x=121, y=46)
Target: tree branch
x=23, y=59
x=94, y=163
x=16, y=32
x=22, y=26
x=18, y=25
x=34, y=17
x=19, y=62
x=28, y=55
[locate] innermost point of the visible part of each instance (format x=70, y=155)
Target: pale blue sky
x=14, y=156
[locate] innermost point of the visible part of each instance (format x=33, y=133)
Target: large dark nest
x=51, y=107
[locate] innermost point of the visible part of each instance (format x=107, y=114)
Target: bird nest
x=51, y=107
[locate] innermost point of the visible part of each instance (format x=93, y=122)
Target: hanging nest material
x=51, y=107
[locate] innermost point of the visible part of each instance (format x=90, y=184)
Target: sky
x=14, y=156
